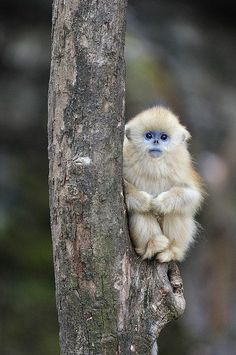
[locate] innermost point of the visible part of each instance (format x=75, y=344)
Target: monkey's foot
x=156, y=245
x=165, y=256
x=171, y=253
x=140, y=251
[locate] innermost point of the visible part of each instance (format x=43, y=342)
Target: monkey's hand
x=156, y=206
x=138, y=201
x=177, y=200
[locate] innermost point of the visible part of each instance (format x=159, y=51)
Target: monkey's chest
x=154, y=188
x=153, y=181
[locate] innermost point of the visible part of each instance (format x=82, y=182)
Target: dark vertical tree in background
x=109, y=302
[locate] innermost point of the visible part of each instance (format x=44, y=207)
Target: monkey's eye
x=148, y=135
x=164, y=137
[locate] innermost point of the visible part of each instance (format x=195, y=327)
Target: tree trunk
x=109, y=302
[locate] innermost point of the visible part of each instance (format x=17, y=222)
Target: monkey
x=162, y=190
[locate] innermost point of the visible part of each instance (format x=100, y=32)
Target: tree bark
x=109, y=302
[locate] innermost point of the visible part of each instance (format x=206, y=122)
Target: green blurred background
x=178, y=53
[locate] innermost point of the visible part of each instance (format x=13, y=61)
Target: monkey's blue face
x=156, y=142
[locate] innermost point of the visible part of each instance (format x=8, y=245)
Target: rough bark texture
x=109, y=302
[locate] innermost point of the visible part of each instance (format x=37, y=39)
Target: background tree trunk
x=109, y=302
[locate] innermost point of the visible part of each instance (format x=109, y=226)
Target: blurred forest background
x=178, y=53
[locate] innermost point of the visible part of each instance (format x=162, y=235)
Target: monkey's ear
x=185, y=135
x=128, y=133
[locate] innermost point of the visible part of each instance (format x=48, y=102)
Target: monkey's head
x=156, y=131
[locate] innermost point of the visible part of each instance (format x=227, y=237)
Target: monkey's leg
x=180, y=230
x=147, y=235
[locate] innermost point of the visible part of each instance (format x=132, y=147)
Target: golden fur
x=162, y=193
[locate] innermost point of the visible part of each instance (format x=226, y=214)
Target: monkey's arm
x=138, y=201
x=177, y=200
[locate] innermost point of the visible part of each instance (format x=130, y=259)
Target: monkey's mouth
x=155, y=152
